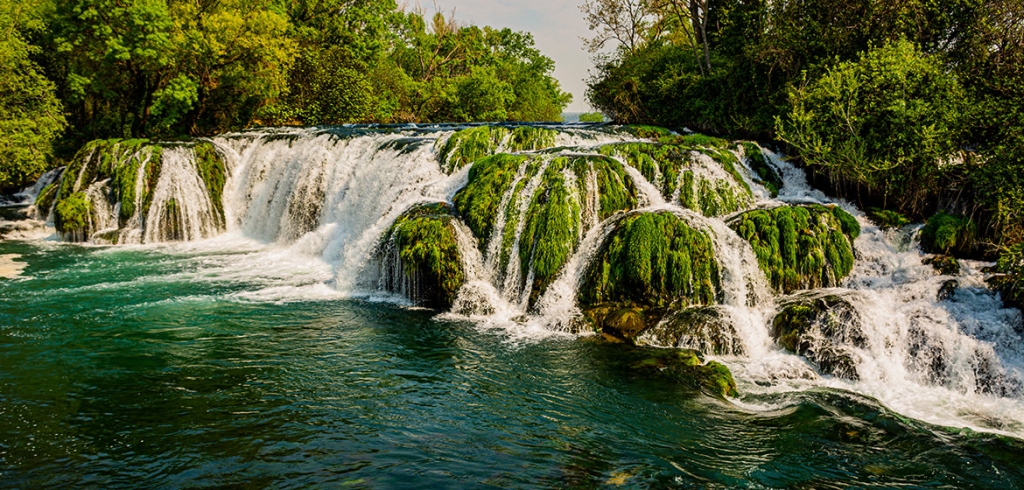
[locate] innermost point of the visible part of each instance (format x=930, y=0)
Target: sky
x=556, y=25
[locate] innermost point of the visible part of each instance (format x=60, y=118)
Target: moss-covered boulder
x=110, y=185
x=45, y=199
x=705, y=329
x=946, y=265
x=800, y=247
x=653, y=260
x=824, y=329
x=948, y=234
x=688, y=367
x=529, y=213
x=689, y=171
x=420, y=257
x=469, y=145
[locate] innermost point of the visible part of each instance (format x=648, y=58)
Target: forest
x=79, y=70
x=911, y=109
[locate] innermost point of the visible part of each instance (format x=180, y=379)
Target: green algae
x=469, y=145
x=800, y=247
x=653, y=260
x=427, y=247
x=545, y=199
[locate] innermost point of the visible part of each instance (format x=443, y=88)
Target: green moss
x=489, y=180
x=551, y=230
x=767, y=175
x=688, y=368
x=212, y=171
x=670, y=168
x=426, y=244
x=653, y=260
x=947, y=233
x=799, y=247
x=886, y=218
x=46, y=197
x=944, y=264
x=73, y=216
x=472, y=144
x=1010, y=280
x=850, y=225
x=646, y=132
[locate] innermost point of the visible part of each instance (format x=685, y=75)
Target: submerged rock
x=688, y=368
x=420, y=257
x=947, y=290
x=800, y=247
x=704, y=329
x=823, y=329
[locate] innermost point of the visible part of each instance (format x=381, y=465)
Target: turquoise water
x=195, y=367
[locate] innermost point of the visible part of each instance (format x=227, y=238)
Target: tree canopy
x=77, y=70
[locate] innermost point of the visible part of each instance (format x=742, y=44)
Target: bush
x=885, y=122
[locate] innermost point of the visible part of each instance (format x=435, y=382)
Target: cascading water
x=332, y=194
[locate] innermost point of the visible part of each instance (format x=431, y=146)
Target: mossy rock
x=800, y=247
x=621, y=322
x=46, y=198
x=947, y=234
x=653, y=260
x=421, y=255
x=887, y=218
x=545, y=224
x=946, y=265
x=705, y=329
x=947, y=290
x=212, y=171
x=116, y=161
x=73, y=217
x=767, y=175
x=469, y=145
x=675, y=169
x=688, y=367
x=823, y=329
x=646, y=132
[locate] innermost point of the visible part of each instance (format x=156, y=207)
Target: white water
x=306, y=210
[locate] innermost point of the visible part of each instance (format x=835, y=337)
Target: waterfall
x=529, y=226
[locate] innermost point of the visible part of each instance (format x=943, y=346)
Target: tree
x=887, y=121
x=628, y=22
x=30, y=115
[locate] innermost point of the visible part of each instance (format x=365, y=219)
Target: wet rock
x=420, y=259
x=688, y=367
x=704, y=329
x=946, y=265
x=823, y=329
x=948, y=289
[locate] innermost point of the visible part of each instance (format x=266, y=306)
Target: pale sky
x=556, y=25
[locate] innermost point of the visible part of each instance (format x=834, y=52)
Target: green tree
x=30, y=114
x=887, y=121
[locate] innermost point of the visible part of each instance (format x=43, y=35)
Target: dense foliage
x=913, y=109
x=165, y=68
